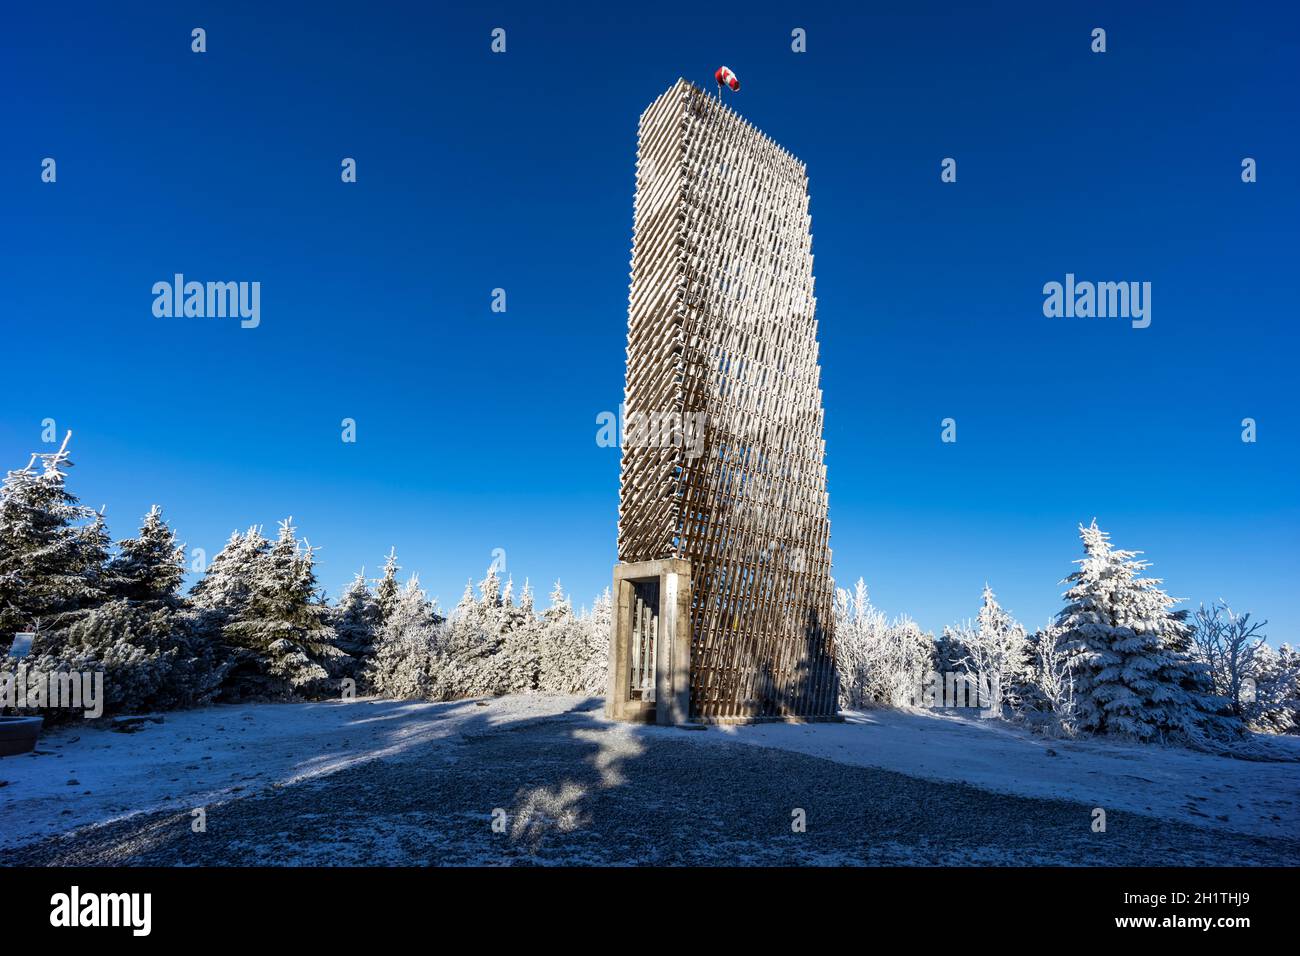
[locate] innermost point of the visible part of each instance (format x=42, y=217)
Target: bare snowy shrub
x=880, y=663
x=1054, y=678
x=1245, y=670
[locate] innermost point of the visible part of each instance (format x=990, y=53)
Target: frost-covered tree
x=511, y=617
x=402, y=666
x=488, y=647
x=880, y=663
x=1257, y=684
x=1272, y=704
x=150, y=567
x=98, y=583
x=1281, y=713
x=123, y=616
x=948, y=652
x=356, y=620
x=52, y=549
x=489, y=590
x=859, y=635
x=185, y=666
x=1229, y=644
x=492, y=646
x=560, y=603
x=573, y=650
x=1054, y=678
x=995, y=652
x=1135, y=676
x=151, y=659
x=282, y=624
x=559, y=636
x=220, y=597
x=515, y=666
x=594, y=675
x=227, y=583
x=387, y=588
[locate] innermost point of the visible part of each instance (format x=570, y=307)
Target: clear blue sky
x=476, y=430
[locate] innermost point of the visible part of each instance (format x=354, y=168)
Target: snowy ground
x=387, y=782
x=83, y=775
x=1169, y=782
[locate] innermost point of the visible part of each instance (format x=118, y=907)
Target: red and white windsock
x=728, y=79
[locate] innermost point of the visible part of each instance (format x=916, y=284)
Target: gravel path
x=578, y=792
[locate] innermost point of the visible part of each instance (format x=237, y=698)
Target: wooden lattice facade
x=723, y=468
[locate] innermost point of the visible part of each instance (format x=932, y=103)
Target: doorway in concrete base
x=650, y=642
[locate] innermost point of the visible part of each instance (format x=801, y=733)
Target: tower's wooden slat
x=722, y=328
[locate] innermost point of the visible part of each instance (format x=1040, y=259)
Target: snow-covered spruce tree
x=228, y=581
x=594, y=675
x=402, y=665
x=282, y=623
x=146, y=655
x=573, y=649
x=516, y=665
x=560, y=605
x=386, y=587
x=220, y=596
x=995, y=652
x=489, y=647
x=140, y=639
x=910, y=661
x=148, y=613
x=95, y=576
x=356, y=621
x=150, y=567
x=1135, y=676
x=455, y=662
x=559, y=636
x=52, y=550
x=107, y=640
x=1281, y=682
x=1272, y=702
x=948, y=652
